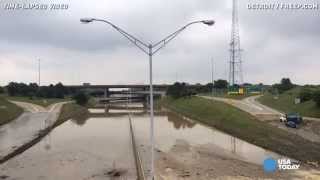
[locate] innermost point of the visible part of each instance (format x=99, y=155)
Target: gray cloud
x=275, y=43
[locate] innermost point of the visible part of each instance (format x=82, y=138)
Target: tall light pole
x=39, y=73
x=212, y=67
x=149, y=49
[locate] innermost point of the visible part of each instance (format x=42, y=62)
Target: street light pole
x=150, y=50
x=151, y=111
x=39, y=75
x=212, y=89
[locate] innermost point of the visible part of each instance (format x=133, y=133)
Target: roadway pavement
x=251, y=106
x=255, y=108
x=27, y=126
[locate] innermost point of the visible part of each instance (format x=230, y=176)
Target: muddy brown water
x=95, y=149
x=99, y=148
x=171, y=128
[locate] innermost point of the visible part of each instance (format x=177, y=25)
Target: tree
x=81, y=98
x=220, y=84
x=59, y=90
x=12, y=88
x=178, y=90
x=306, y=94
x=284, y=85
x=316, y=97
x=1, y=90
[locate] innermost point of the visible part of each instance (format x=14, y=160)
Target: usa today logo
x=271, y=165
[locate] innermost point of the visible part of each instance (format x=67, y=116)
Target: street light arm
x=141, y=45
x=167, y=39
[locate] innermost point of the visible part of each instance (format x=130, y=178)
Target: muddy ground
x=201, y=163
x=308, y=129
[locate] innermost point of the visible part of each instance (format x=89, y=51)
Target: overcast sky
x=275, y=43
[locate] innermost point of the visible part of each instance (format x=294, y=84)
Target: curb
x=140, y=172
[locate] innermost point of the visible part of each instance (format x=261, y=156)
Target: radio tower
x=235, y=74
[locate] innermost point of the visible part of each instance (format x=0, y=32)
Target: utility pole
x=212, y=77
x=39, y=72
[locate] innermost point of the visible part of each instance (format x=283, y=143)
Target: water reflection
x=179, y=122
x=171, y=128
x=47, y=142
x=80, y=120
x=233, y=145
x=182, y=122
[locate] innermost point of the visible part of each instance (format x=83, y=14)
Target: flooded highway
x=26, y=127
x=98, y=148
x=101, y=147
x=171, y=128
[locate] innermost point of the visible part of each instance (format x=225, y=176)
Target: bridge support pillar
x=106, y=95
x=146, y=103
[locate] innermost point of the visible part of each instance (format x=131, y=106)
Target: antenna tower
x=235, y=74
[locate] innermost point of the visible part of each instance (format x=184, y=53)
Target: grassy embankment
x=39, y=101
x=244, y=126
x=8, y=111
x=285, y=103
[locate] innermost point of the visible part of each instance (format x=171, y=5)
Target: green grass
x=39, y=101
x=8, y=111
x=285, y=103
x=244, y=126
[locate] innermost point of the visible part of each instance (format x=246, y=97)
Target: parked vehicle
x=291, y=119
x=294, y=117
x=283, y=118
x=291, y=124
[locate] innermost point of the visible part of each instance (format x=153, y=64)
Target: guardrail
x=140, y=171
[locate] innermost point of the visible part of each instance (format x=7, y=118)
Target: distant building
x=86, y=84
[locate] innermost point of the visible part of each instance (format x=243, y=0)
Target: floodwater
x=98, y=148
x=22, y=130
x=94, y=148
x=172, y=128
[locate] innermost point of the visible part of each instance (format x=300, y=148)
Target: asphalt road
x=251, y=106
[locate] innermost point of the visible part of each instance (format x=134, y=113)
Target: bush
x=306, y=94
x=284, y=85
x=1, y=90
x=220, y=84
x=81, y=98
x=316, y=98
x=178, y=90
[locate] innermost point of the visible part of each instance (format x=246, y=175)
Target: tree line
x=33, y=90
x=183, y=89
x=306, y=93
